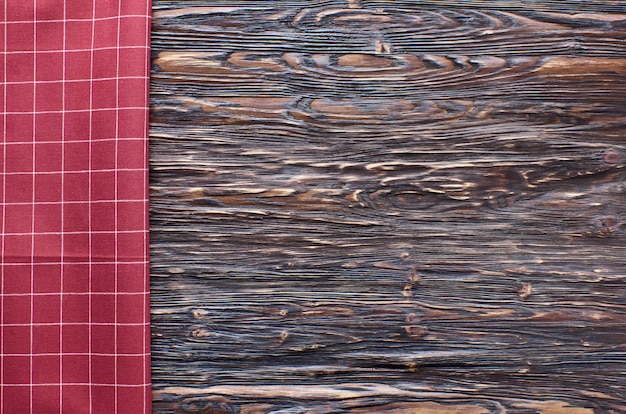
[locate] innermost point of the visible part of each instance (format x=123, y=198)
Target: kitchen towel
x=74, y=298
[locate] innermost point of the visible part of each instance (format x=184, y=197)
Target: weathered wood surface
x=389, y=206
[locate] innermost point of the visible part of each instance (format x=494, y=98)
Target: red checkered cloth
x=74, y=323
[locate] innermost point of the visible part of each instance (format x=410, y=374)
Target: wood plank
x=399, y=207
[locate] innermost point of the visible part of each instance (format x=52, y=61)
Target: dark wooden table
x=389, y=206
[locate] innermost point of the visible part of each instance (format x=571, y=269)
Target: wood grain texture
x=388, y=206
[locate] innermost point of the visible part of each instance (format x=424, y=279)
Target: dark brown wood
x=388, y=206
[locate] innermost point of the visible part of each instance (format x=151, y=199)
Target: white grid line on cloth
x=109, y=324
x=65, y=81
x=61, y=173
x=95, y=19
x=25, y=203
x=75, y=141
x=32, y=261
x=89, y=220
x=74, y=111
x=4, y=209
x=146, y=361
x=70, y=384
x=56, y=51
x=103, y=262
x=61, y=233
x=102, y=354
x=62, y=208
x=117, y=134
x=40, y=294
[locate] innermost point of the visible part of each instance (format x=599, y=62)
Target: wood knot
x=412, y=318
x=200, y=333
x=175, y=270
x=381, y=47
x=612, y=157
x=415, y=331
x=525, y=290
x=414, y=276
x=214, y=405
x=608, y=224
x=575, y=46
x=199, y=313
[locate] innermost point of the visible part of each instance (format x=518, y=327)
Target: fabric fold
x=74, y=288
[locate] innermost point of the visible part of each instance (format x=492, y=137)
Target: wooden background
x=389, y=206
